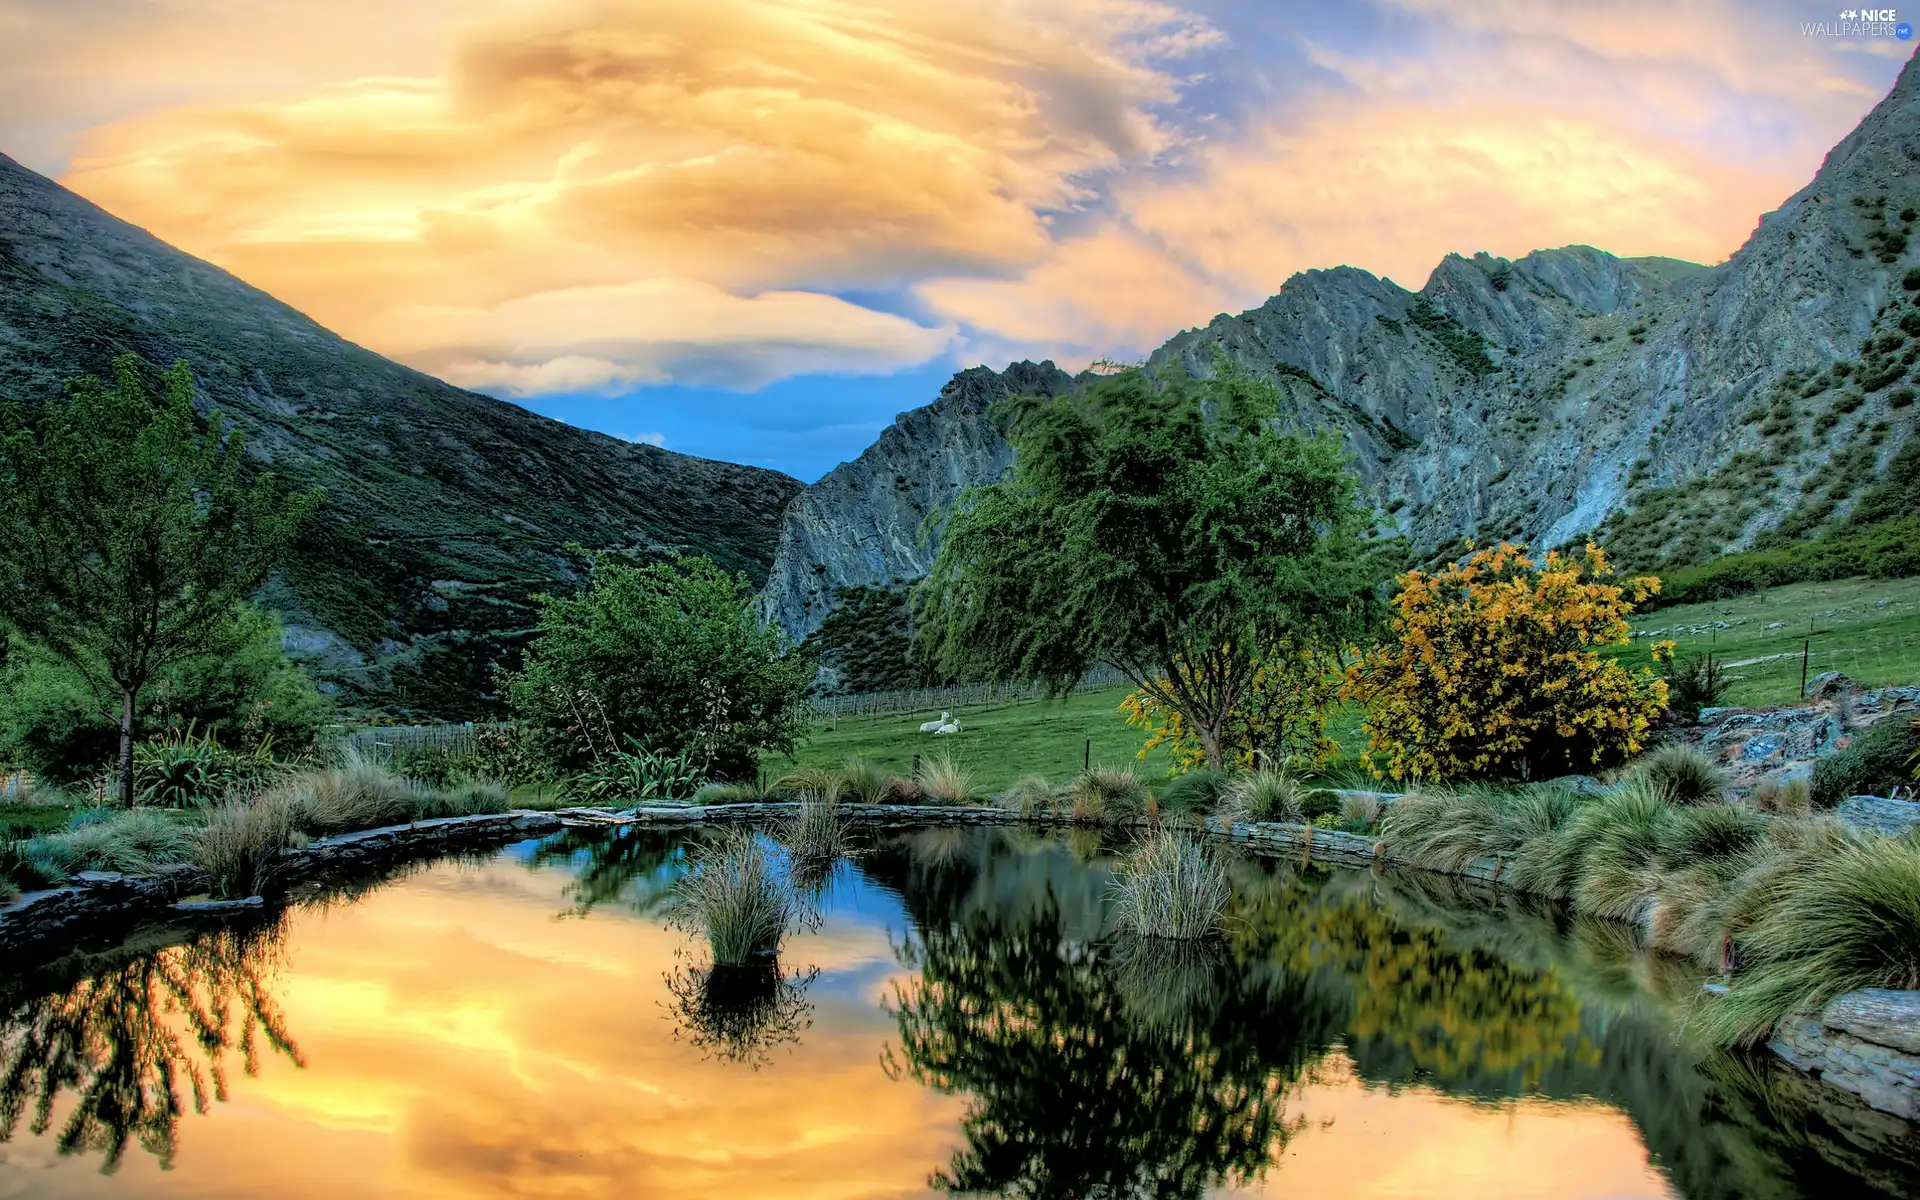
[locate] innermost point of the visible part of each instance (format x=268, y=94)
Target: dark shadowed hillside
x=446, y=510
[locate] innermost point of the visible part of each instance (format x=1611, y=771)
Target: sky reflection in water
x=958, y=1020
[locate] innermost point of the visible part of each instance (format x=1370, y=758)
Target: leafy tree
x=1165, y=528
x=245, y=695
x=1493, y=669
x=668, y=656
x=1281, y=717
x=128, y=533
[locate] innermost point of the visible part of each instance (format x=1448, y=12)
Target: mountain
x=446, y=510
x=1672, y=410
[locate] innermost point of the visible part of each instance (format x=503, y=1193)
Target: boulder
x=1879, y=814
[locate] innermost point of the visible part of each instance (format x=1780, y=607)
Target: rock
x=1828, y=684
x=1879, y=814
x=1865, y=1043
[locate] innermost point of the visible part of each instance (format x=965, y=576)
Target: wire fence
x=444, y=739
x=950, y=697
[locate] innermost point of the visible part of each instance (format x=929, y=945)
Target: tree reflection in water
x=125, y=1048
x=1082, y=1083
x=1096, y=1067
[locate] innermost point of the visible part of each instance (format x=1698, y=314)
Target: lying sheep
x=946, y=718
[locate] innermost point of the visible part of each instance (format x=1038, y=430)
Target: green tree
x=129, y=530
x=669, y=656
x=1164, y=527
x=244, y=694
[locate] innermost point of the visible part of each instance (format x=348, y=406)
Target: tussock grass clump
x=1446, y=828
x=241, y=842
x=943, y=780
x=1170, y=887
x=903, y=790
x=1849, y=919
x=1032, y=795
x=1107, y=794
x=356, y=795
x=9, y=891
x=747, y=792
x=1362, y=808
x=1194, y=791
x=1610, y=847
x=1791, y=797
x=816, y=832
x=811, y=781
x=1264, y=795
x=735, y=897
x=865, y=782
x=1710, y=831
x=139, y=842
x=1685, y=774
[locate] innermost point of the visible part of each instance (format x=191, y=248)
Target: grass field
x=1869, y=629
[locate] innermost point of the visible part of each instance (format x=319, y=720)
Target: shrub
x=944, y=781
x=671, y=654
x=1264, y=795
x=1170, y=887
x=137, y=842
x=182, y=770
x=241, y=843
x=1694, y=682
x=1032, y=795
x=1493, y=669
x=735, y=898
x=1108, y=794
x=1875, y=762
x=1684, y=774
x=1846, y=920
x=1194, y=791
x=638, y=775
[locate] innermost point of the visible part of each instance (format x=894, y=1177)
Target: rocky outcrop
x=1534, y=399
x=1866, y=1042
x=865, y=524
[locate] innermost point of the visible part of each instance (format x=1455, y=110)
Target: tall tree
x=1164, y=527
x=129, y=530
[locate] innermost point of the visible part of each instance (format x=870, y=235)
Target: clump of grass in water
x=241, y=843
x=735, y=896
x=1264, y=795
x=1108, y=794
x=1170, y=887
x=816, y=832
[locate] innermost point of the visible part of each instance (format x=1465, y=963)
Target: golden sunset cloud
x=595, y=195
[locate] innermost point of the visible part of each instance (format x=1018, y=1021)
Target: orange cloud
x=646, y=166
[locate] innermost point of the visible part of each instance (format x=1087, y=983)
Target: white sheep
x=949, y=727
x=946, y=718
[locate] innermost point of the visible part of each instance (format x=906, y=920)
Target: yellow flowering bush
x=1282, y=715
x=1493, y=669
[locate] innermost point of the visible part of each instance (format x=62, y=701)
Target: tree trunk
x=126, y=747
x=1210, y=738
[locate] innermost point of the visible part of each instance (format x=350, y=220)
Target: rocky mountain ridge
x=1671, y=409
x=446, y=510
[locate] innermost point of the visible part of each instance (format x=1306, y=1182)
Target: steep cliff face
x=1678, y=410
x=445, y=509
x=864, y=524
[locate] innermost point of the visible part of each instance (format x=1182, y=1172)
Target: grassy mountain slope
x=446, y=509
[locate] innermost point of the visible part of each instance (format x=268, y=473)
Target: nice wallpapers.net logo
x=1861, y=22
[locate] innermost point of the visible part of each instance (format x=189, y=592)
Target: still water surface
x=957, y=1017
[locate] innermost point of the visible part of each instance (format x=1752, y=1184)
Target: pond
x=955, y=1015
